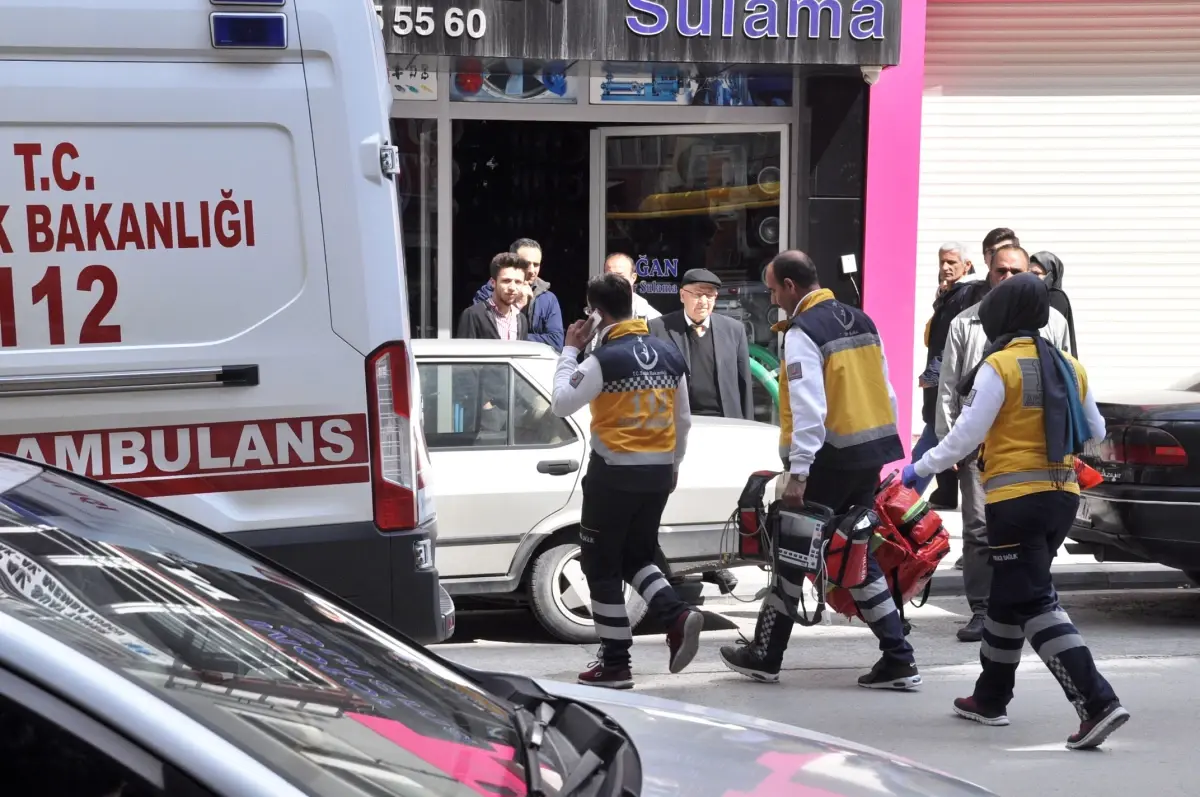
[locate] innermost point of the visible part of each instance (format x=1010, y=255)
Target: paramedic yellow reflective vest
x=860, y=424
x=1013, y=457
x=633, y=418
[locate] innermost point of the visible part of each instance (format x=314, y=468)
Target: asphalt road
x=1147, y=644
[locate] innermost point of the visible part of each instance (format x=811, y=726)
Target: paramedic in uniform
x=838, y=430
x=1028, y=403
x=637, y=388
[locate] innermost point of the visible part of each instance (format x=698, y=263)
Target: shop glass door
x=676, y=198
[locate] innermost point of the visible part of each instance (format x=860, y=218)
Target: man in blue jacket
x=541, y=308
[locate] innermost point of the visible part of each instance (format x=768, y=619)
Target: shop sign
x=655, y=275
x=852, y=32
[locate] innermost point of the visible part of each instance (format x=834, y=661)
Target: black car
x=1148, y=508
x=144, y=655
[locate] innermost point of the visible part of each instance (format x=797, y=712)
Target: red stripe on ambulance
x=217, y=457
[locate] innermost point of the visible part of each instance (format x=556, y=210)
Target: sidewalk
x=1072, y=573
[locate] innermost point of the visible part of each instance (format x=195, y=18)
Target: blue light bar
x=248, y=31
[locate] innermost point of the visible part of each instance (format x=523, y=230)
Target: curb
x=1081, y=578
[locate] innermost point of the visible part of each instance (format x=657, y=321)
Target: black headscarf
x=1058, y=297
x=1018, y=308
x=1053, y=266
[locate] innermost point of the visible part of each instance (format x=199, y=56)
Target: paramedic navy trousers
x=619, y=533
x=1024, y=534
x=838, y=490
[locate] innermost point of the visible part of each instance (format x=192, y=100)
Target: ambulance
x=202, y=293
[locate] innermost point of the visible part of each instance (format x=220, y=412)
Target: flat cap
x=702, y=276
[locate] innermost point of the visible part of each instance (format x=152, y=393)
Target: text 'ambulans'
x=216, y=457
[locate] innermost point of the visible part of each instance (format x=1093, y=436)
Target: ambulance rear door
x=164, y=305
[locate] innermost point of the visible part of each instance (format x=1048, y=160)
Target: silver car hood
x=694, y=751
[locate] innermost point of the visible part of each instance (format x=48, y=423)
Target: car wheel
x=561, y=599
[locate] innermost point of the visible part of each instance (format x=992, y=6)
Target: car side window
x=533, y=422
x=486, y=405
x=39, y=757
x=465, y=405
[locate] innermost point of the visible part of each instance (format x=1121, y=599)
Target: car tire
x=560, y=600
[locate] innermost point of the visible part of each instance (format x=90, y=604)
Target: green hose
x=763, y=355
x=766, y=378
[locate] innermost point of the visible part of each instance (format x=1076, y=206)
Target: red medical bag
x=908, y=544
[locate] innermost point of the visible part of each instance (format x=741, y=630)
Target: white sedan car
x=506, y=481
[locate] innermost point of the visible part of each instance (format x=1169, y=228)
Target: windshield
x=324, y=697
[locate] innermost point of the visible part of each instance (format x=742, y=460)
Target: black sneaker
x=743, y=661
x=1094, y=731
x=891, y=674
x=726, y=581
x=958, y=563
x=968, y=709
x=972, y=631
x=608, y=677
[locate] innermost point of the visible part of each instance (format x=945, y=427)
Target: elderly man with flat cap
x=718, y=357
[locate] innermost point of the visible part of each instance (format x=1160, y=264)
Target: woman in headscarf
x=1047, y=266
x=1029, y=406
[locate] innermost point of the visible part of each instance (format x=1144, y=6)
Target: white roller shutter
x=1077, y=125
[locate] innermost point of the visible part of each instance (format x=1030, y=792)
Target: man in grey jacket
x=964, y=349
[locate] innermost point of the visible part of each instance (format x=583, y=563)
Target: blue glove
x=909, y=476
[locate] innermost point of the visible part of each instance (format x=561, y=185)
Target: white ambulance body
x=202, y=295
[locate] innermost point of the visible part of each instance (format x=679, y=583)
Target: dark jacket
x=477, y=322
x=733, y=358
x=1058, y=297
x=543, y=313
x=965, y=293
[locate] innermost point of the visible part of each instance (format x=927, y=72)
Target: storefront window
x=417, y=187
x=679, y=201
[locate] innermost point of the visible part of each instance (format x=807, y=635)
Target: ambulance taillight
x=399, y=459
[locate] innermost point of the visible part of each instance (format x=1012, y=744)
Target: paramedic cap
x=700, y=276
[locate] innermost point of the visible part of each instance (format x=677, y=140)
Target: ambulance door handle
x=129, y=381
x=558, y=467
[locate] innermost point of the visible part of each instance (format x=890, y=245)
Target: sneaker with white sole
x=683, y=640
x=597, y=674
x=1094, y=731
x=969, y=709
x=742, y=660
x=901, y=676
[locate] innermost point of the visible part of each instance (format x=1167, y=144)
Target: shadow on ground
x=517, y=625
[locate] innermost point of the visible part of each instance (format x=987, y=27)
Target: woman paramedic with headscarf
x=1029, y=405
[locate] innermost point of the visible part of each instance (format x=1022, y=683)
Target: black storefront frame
x=445, y=113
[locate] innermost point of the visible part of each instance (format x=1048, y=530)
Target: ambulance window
x=466, y=405
x=533, y=422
